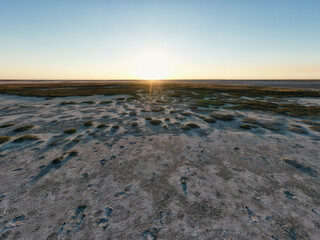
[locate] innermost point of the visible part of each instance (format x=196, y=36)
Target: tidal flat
x=159, y=160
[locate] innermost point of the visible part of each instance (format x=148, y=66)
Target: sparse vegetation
x=23, y=128
x=67, y=103
x=155, y=122
x=102, y=125
x=121, y=99
x=315, y=128
x=73, y=153
x=148, y=118
x=222, y=116
x=209, y=120
x=245, y=126
x=115, y=127
x=167, y=119
x=105, y=102
x=157, y=109
x=7, y=125
x=4, y=139
x=88, y=124
x=297, y=129
x=70, y=131
x=89, y=102
x=190, y=126
x=134, y=124
x=57, y=160
x=26, y=138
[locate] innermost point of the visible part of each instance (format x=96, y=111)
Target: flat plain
x=159, y=160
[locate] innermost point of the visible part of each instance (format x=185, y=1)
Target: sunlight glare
x=152, y=65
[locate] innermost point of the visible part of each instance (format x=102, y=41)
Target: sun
x=152, y=65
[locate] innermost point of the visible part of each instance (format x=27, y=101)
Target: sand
x=144, y=181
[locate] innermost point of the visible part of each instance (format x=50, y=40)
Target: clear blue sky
x=121, y=39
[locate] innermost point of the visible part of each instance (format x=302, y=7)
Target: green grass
x=23, y=128
x=7, y=125
x=4, y=139
x=26, y=138
x=70, y=131
x=88, y=124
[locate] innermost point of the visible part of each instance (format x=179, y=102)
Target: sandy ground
x=144, y=181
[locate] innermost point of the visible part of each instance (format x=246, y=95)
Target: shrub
x=102, y=125
x=155, y=122
x=115, y=127
x=209, y=120
x=105, y=102
x=148, y=118
x=57, y=160
x=7, y=125
x=4, y=139
x=134, y=124
x=70, y=131
x=167, y=119
x=88, y=124
x=245, y=126
x=67, y=103
x=26, y=138
x=315, y=128
x=222, y=116
x=73, y=153
x=23, y=128
x=89, y=102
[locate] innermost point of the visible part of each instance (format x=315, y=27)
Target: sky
x=160, y=39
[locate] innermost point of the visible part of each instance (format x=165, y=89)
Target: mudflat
x=155, y=160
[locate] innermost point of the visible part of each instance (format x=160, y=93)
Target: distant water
x=306, y=84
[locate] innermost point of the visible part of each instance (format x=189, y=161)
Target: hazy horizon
x=172, y=40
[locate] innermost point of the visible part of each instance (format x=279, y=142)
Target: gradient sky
x=177, y=39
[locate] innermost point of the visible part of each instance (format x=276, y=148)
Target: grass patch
x=155, y=122
x=26, y=138
x=23, y=128
x=246, y=126
x=134, y=124
x=315, y=128
x=57, y=160
x=157, y=109
x=67, y=103
x=189, y=126
x=210, y=120
x=102, y=125
x=222, y=116
x=89, y=102
x=7, y=125
x=88, y=124
x=4, y=139
x=70, y=131
x=73, y=153
x=105, y=102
